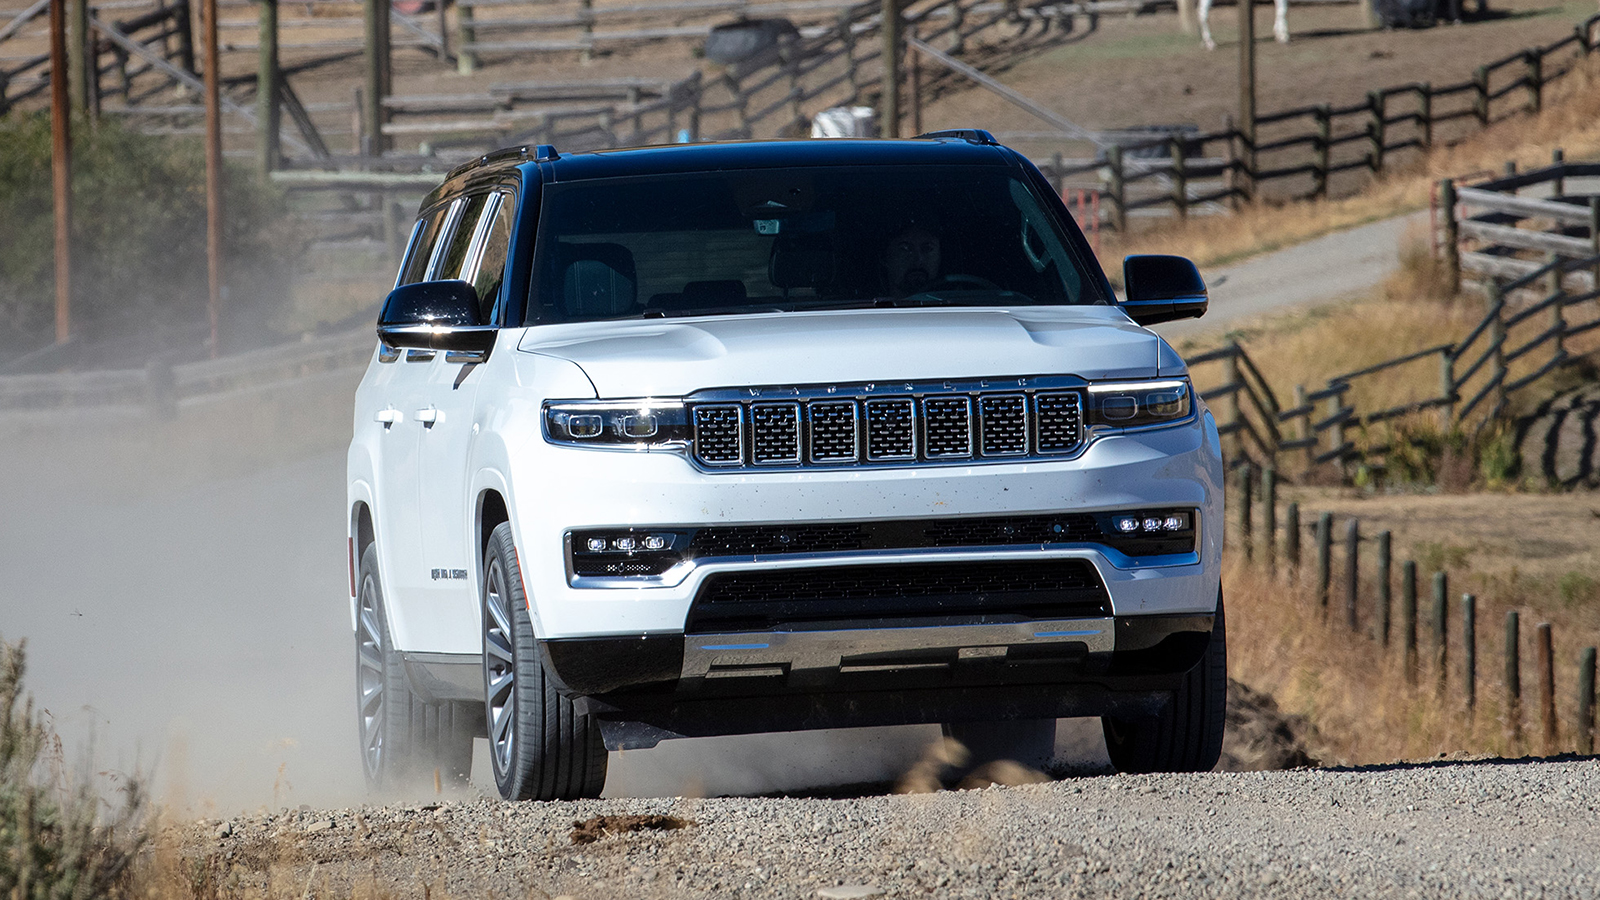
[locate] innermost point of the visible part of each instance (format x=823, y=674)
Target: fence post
x=1594, y=239
x=1306, y=434
x=1497, y=343
x=1469, y=649
x=466, y=58
x=1385, y=594
x=1408, y=617
x=1441, y=630
x=1235, y=416
x=1336, y=412
x=1549, y=725
x=1450, y=239
x=1480, y=99
x=1324, y=561
x=1269, y=516
x=1534, y=62
x=1375, y=130
x=1447, y=389
x=1230, y=163
x=1352, y=571
x=1180, y=176
x=1115, y=188
x=1291, y=539
x=267, y=75
x=1425, y=113
x=1558, y=184
x=1586, y=668
x=1513, y=682
x=1323, y=146
x=1245, y=484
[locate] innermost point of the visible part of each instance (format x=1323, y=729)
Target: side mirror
x=1162, y=288
x=434, y=315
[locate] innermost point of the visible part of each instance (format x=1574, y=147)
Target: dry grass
x=1570, y=121
x=1367, y=704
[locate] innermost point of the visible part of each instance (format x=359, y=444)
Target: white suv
x=730, y=438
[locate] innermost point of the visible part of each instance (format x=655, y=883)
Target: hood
x=663, y=357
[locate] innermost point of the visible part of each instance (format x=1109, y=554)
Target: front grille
x=1060, y=422
x=1005, y=425
x=934, y=423
x=891, y=429
x=876, y=595
x=895, y=534
x=834, y=436
x=719, y=434
x=947, y=427
x=775, y=433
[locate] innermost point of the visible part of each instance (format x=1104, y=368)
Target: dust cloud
x=182, y=588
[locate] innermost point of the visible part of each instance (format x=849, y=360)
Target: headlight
x=1135, y=404
x=617, y=423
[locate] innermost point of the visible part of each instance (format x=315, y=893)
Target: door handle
x=387, y=416
x=428, y=416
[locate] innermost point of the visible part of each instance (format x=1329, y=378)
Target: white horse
x=1280, y=24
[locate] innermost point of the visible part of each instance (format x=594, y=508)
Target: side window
x=423, y=238
x=456, y=257
x=492, y=252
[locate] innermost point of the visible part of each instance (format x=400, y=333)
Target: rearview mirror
x=1162, y=288
x=434, y=315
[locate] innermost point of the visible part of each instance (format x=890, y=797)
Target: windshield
x=800, y=239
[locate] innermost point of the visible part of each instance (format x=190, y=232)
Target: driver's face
x=912, y=259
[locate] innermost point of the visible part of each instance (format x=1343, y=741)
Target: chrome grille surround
x=719, y=434
x=835, y=435
x=904, y=423
x=891, y=429
x=775, y=434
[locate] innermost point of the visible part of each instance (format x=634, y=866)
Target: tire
x=384, y=707
x=1187, y=736
x=404, y=739
x=540, y=746
x=1031, y=742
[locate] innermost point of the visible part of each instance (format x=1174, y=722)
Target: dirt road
x=1482, y=829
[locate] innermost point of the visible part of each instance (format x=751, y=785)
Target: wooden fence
x=1420, y=633
x=1464, y=386
x=1320, y=150
x=160, y=386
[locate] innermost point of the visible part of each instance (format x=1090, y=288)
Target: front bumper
x=1174, y=467
x=647, y=689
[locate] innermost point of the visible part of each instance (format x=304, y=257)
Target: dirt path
x=1478, y=829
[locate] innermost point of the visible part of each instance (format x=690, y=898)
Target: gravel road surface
x=1322, y=270
x=1463, y=829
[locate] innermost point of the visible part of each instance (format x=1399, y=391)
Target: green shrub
x=138, y=236
x=54, y=843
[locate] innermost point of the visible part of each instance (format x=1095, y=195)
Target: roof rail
x=974, y=135
x=540, y=153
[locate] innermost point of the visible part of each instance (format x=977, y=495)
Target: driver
x=911, y=261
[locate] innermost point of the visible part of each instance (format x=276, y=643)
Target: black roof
x=722, y=155
x=710, y=157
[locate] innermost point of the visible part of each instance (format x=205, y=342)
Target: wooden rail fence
x=1421, y=632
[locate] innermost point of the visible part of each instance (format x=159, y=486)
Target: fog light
x=596, y=545
x=624, y=543
x=1126, y=525
x=1152, y=524
x=655, y=542
x=1174, y=523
